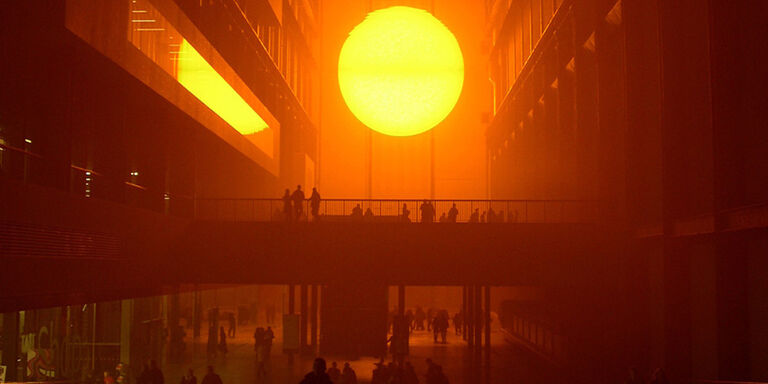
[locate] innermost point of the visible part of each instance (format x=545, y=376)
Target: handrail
x=400, y=210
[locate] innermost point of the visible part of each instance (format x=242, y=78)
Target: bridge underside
x=69, y=250
x=391, y=253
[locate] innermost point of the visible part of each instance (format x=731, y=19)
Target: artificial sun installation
x=401, y=71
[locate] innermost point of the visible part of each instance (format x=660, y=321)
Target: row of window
x=288, y=48
x=515, y=38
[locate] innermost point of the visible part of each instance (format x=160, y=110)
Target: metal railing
x=400, y=210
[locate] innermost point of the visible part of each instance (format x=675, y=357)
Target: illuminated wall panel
x=186, y=69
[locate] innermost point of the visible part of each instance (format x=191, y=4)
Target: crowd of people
x=437, y=321
x=383, y=373
x=294, y=202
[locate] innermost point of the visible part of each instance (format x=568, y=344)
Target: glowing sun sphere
x=401, y=71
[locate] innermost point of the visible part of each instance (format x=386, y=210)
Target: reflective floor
x=510, y=363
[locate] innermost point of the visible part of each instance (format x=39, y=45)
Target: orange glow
x=199, y=78
x=401, y=71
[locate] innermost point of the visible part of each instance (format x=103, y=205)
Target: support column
x=303, y=320
x=464, y=312
x=126, y=322
x=291, y=311
x=470, y=317
x=478, y=321
x=487, y=323
x=313, y=320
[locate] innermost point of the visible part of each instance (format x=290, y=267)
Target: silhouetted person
x=457, y=321
x=269, y=336
x=405, y=216
x=475, y=216
x=211, y=377
x=368, y=214
x=334, y=373
x=427, y=212
x=430, y=318
x=287, y=207
x=318, y=375
x=443, y=219
x=314, y=203
x=232, y=324
x=379, y=375
x=500, y=217
x=409, y=319
x=262, y=355
x=357, y=213
x=409, y=374
x=437, y=376
x=258, y=338
x=222, y=341
x=491, y=215
x=419, y=318
x=189, y=378
x=348, y=375
x=155, y=375
x=453, y=214
x=482, y=217
x=298, y=202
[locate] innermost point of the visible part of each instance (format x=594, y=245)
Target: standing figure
x=298, y=202
x=232, y=324
x=314, y=204
x=405, y=216
x=334, y=373
x=318, y=375
x=222, y=341
x=427, y=212
x=287, y=208
x=475, y=217
x=213, y=341
x=189, y=378
x=269, y=335
x=211, y=378
x=348, y=375
x=457, y=321
x=453, y=213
